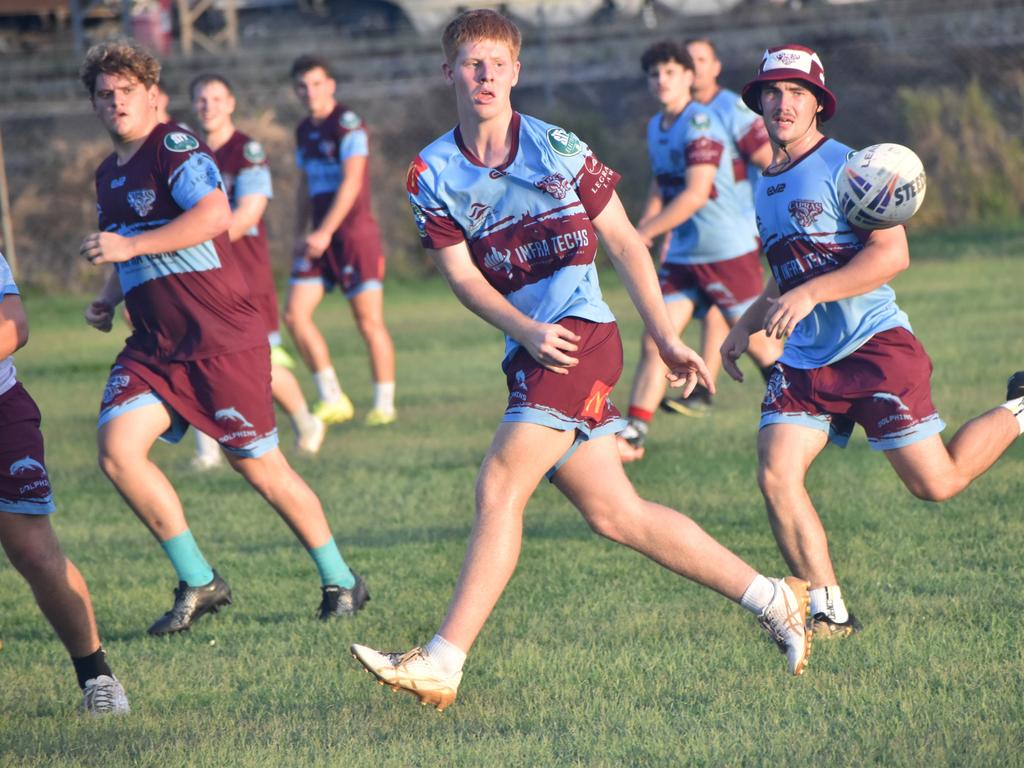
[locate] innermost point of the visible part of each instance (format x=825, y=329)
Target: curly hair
x=119, y=57
x=473, y=26
x=665, y=52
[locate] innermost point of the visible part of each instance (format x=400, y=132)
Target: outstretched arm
x=632, y=261
x=549, y=344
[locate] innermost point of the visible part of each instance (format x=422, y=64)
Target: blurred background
x=945, y=77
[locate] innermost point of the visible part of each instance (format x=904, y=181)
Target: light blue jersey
x=528, y=223
x=748, y=134
x=805, y=235
x=723, y=228
x=7, y=288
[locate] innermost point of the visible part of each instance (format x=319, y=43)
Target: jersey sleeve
x=353, y=141
x=702, y=143
x=749, y=132
x=7, y=284
x=436, y=227
x=191, y=171
x=253, y=177
x=593, y=181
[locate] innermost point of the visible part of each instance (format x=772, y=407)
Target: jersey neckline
x=800, y=159
x=513, y=127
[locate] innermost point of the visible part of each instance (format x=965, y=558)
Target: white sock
x=206, y=446
x=758, y=595
x=384, y=396
x=829, y=600
x=327, y=385
x=302, y=419
x=448, y=658
x=1016, y=407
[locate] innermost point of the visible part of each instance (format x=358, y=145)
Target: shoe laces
x=101, y=696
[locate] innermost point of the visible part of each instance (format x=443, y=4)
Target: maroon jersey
x=187, y=304
x=321, y=151
x=243, y=165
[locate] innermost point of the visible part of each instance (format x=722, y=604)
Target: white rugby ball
x=881, y=186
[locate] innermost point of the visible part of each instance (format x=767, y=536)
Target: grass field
x=594, y=657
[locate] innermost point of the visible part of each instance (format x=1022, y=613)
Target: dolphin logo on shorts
x=891, y=399
x=232, y=414
x=26, y=465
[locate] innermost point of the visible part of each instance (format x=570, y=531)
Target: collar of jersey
x=468, y=153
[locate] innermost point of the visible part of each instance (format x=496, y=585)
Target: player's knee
x=934, y=488
x=112, y=463
x=614, y=520
x=33, y=556
x=775, y=479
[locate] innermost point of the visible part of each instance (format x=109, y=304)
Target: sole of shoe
x=438, y=699
x=801, y=591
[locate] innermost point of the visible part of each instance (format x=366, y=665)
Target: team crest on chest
x=326, y=148
x=181, y=142
x=555, y=185
x=804, y=212
x=141, y=200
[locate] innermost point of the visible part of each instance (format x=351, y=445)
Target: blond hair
x=473, y=26
x=119, y=57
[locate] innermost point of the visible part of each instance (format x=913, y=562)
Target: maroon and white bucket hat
x=790, y=62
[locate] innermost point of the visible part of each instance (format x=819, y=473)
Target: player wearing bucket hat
x=850, y=356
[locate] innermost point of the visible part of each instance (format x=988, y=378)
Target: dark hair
x=690, y=41
x=307, y=62
x=664, y=52
x=205, y=79
x=119, y=57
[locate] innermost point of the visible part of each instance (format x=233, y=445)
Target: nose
x=485, y=72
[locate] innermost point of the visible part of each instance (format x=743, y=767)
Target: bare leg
x=124, y=445
x=303, y=299
x=935, y=472
x=785, y=453
x=286, y=390
x=519, y=457
x=59, y=589
x=714, y=329
x=594, y=481
x=368, y=311
x=275, y=480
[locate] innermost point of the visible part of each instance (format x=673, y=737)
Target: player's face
x=670, y=83
x=706, y=66
x=483, y=75
x=789, y=110
x=126, y=107
x=316, y=91
x=213, y=105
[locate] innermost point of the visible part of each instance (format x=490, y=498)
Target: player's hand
x=786, y=311
x=106, y=248
x=100, y=315
x=648, y=239
x=733, y=347
x=685, y=368
x=316, y=243
x=550, y=344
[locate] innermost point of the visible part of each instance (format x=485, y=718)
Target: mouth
x=783, y=121
x=484, y=96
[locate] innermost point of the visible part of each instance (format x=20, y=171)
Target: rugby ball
x=881, y=186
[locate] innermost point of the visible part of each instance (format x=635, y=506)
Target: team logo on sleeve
x=181, y=142
x=804, y=212
x=141, y=200
x=700, y=121
x=412, y=177
x=420, y=217
x=564, y=142
x=253, y=152
x=555, y=185
x=349, y=120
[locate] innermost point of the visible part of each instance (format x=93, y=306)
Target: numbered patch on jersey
x=349, y=120
x=700, y=121
x=564, y=142
x=181, y=142
x=253, y=152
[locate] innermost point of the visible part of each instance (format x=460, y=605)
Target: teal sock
x=187, y=560
x=331, y=567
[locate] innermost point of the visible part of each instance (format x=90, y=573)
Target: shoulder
x=549, y=137
x=700, y=121
x=834, y=154
x=347, y=119
x=431, y=161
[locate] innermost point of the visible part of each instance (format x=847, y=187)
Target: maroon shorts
x=24, y=484
x=730, y=285
x=226, y=396
x=354, y=260
x=579, y=400
x=884, y=386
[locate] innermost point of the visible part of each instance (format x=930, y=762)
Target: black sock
x=91, y=666
x=766, y=371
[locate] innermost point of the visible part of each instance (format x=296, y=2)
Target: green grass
x=594, y=657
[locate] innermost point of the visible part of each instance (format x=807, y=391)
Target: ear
x=448, y=73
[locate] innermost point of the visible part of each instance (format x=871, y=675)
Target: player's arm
x=549, y=344
x=751, y=322
x=13, y=325
x=209, y=217
x=633, y=263
x=653, y=204
x=353, y=169
x=700, y=180
x=247, y=214
x=885, y=254
x=100, y=313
